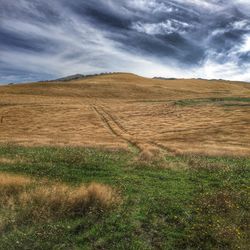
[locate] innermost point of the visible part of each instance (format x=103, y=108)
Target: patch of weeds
x=219, y=221
x=198, y=163
x=222, y=101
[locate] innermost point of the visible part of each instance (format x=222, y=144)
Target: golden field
x=125, y=111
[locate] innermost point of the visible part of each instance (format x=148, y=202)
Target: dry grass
x=7, y=160
x=30, y=200
x=11, y=185
x=150, y=158
x=13, y=160
x=59, y=200
x=117, y=111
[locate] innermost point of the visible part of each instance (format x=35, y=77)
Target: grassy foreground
x=120, y=202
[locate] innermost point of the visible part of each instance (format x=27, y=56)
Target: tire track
x=105, y=121
x=164, y=148
x=115, y=128
x=118, y=124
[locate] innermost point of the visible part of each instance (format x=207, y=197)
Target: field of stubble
x=130, y=112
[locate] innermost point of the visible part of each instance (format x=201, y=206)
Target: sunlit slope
x=127, y=111
x=129, y=86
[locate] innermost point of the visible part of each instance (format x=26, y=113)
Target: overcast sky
x=45, y=39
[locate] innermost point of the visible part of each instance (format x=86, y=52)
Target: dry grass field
x=114, y=160
x=126, y=111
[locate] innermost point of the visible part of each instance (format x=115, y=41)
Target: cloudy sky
x=41, y=39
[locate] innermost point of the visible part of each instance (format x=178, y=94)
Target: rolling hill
x=131, y=112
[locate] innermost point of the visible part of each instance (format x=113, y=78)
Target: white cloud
x=241, y=25
x=228, y=70
x=210, y=5
x=152, y=6
x=167, y=27
x=245, y=47
x=243, y=5
x=245, y=2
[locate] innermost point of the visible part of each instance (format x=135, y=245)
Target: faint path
x=117, y=130
x=105, y=121
x=117, y=123
x=163, y=147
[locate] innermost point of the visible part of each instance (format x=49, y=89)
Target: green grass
x=225, y=101
x=184, y=202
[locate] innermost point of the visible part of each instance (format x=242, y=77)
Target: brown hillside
x=131, y=112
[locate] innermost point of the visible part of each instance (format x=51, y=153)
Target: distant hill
x=81, y=76
x=164, y=78
x=71, y=77
x=202, y=79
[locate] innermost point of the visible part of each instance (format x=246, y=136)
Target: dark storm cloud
x=193, y=38
x=126, y=27
x=101, y=14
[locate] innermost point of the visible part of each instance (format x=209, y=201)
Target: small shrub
x=149, y=158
